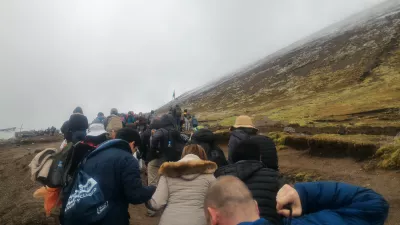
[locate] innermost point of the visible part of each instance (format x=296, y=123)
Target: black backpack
x=173, y=144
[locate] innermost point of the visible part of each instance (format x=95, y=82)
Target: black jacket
x=267, y=147
x=263, y=183
x=78, y=122
x=206, y=139
x=158, y=140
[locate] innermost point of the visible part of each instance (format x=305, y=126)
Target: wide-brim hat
x=244, y=121
x=96, y=129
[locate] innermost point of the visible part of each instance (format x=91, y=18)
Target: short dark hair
x=246, y=150
x=78, y=110
x=129, y=135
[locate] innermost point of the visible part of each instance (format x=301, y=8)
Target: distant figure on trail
x=264, y=183
x=182, y=187
x=78, y=124
x=113, y=123
x=130, y=120
x=187, y=118
x=206, y=139
x=229, y=202
x=142, y=122
x=195, y=123
x=151, y=116
x=177, y=113
x=100, y=118
x=108, y=181
x=244, y=129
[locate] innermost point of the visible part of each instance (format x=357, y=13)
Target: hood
x=239, y=134
x=188, y=168
x=167, y=121
x=242, y=169
x=115, y=143
x=203, y=136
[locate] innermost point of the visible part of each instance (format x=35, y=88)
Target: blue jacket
x=118, y=175
x=333, y=203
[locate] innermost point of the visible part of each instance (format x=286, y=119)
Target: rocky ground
x=17, y=206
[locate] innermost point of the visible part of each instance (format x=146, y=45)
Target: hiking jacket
x=78, y=122
x=182, y=188
x=206, y=139
x=157, y=140
x=267, y=147
x=99, y=119
x=130, y=119
x=334, y=203
x=118, y=175
x=262, y=182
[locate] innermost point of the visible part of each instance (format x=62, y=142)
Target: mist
x=132, y=55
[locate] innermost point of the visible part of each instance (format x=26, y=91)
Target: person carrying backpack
x=244, y=129
x=78, y=124
x=100, y=118
x=130, y=120
x=113, y=123
x=107, y=182
x=177, y=113
x=206, y=139
x=195, y=123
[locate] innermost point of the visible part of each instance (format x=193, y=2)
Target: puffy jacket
x=267, y=147
x=182, y=188
x=78, y=122
x=206, y=139
x=158, y=141
x=262, y=182
x=118, y=174
x=334, y=203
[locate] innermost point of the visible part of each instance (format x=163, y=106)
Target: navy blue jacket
x=333, y=203
x=118, y=174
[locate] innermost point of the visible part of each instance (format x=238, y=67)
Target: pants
x=187, y=125
x=152, y=171
x=78, y=136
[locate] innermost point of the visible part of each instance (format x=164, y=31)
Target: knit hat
x=244, y=121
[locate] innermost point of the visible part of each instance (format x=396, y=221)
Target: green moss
x=389, y=155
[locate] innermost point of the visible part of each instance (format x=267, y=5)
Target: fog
x=132, y=55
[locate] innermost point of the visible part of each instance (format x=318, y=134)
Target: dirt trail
x=17, y=205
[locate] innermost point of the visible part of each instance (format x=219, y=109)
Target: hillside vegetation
x=349, y=78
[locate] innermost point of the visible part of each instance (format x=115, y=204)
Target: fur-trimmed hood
x=188, y=168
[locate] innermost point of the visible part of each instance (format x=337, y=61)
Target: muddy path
x=17, y=205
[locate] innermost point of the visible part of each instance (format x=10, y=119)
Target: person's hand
x=287, y=195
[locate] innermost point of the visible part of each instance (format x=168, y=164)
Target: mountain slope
x=345, y=74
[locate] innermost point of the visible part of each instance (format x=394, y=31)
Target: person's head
x=96, y=134
x=129, y=135
x=130, y=113
x=195, y=150
x=228, y=201
x=246, y=150
x=78, y=110
x=114, y=111
x=152, y=112
x=100, y=114
x=244, y=122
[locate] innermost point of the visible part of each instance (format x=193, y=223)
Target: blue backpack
x=86, y=203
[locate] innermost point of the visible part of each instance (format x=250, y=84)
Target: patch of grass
x=389, y=155
x=278, y=137
x=227, y=122
x=301, y=177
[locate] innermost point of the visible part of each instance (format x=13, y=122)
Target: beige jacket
x=41, y=163
x=182, y=188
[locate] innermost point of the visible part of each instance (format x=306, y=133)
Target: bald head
x=229, y=201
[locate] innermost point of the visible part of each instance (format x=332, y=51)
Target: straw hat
x=244, y=121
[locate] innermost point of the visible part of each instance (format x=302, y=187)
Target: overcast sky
x=56, y=55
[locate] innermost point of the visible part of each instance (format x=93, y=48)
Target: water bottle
x=169, y=144
x=60, y=164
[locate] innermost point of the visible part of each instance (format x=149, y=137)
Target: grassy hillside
x=351, y=78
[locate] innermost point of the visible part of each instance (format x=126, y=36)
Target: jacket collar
x=190, y=164
x=115, y=143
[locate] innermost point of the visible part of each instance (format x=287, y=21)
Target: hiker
x=263, y=182
x=187, y=118
x=142, y=123
x=206, y=139
x=107, y=182
x=66, y=132
x=78, y=123
x=244, y=129
x=113, y=123
x=100, y=118
x=195, y=123
x=151, y=116
x=229, y=202
x=130, y=120
x=182, y=187
x=177, y=113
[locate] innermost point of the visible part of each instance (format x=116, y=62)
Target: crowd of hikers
x=97, y=174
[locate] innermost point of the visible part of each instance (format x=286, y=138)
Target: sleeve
x=86, y=123
x=233, y=141
x=134, y=191
x=340, y=204
x=160, y=197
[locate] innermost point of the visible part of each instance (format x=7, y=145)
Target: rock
x=289, y=130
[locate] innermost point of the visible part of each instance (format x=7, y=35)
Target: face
x=133, y=147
